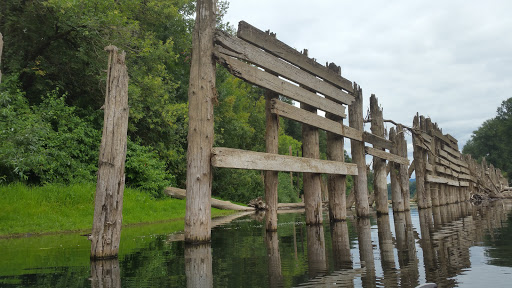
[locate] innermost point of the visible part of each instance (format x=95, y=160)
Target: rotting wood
x=266, y=80
x=434, y=188
x=358, y=157
x=379, y=163
x=234, y=47
x=456, y=154
x=215, y=203
x=385, y=155
x=106, y=227
x=447, y=164
x=428, y=195
x=279, y=49
x=419, y=165
x=1, y=48
x=242, y=159
x=411, y=168
x=377, y=141
x=201, y=94
x=450, y=158
x=271, y=177
x=439, y=134
x=396, y=192
x=442, y=180
x=291, y=112
x=404, y=179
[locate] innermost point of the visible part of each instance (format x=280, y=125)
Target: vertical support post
x=201, y=94
x=419, y=166
x=271, y=177
x=1, y=48
x=428, y=197
x=355, y=118
x=434, y=187
x=396, y=192
x=108, y=202
x=403, y=169
x=291, y=173
x=379, y=165
x=336, y=184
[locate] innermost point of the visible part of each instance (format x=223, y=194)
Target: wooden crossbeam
x=385, y=155
x=377, y=141
x=442, y=180
x=242, y=159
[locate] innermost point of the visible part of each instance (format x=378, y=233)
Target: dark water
x=460, y=245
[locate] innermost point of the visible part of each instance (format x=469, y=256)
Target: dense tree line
x=52, y=92
x=493, y=139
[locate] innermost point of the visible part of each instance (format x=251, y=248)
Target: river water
x=459, y=245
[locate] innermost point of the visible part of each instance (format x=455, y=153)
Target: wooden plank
x=450, y=158
x=277, y=48
x=465, y=170
x=446, y=171
x=463, y=184
x=441, y=180
x=244, y=51
x=241, y=159
x=442, y=137
x=452, y=139
x=427, y=138
x=377, y=141
x=422, y=145
x=411, y=168
x=453, y=152
x=265, y=80
x=429, y=167
x=447, y=164
x=385, y=155
x=291, y=112
x=466, y=177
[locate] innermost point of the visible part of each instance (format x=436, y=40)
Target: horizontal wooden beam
x=312, y=119
x=386, y=156
x=463, y=184
x=450, y=150
x=242, y=159
x=277, y=48
x=411, y=168
x=450, y=158
x=266, y=80
x=442, y=180
x=447, y=140
x=447, y=163
x=465, y=170
x=242, y=50
x=377, y=141
x=427, y=138
x=447, y=171
x=465, y=177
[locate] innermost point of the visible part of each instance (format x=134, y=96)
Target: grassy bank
x=56, y=208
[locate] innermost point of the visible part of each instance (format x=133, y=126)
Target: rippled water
x=460, y=245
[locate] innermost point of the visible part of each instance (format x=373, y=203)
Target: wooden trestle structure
x=443, y=174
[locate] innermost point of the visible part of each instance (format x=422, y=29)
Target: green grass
x=58, y=208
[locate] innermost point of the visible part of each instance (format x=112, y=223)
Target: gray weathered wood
x=442, y=180
x=419, y=164
x=291, y=112
x=266, y=80
x=277, y=48
x=411, y=169
x=108, y=202
x=447, y=164
x=377, y=141
x=271, y=177
x=357, y=148
x=450, y=158
x=1, y=48
x=404, y=176
x=428, y=194
x=242, y=159
x=379, y=163
x=387, y=156
x=434, y=188
x=439, y=134
x=455, y=153
x=242, y=50
x=201, y=95
x=394, y=174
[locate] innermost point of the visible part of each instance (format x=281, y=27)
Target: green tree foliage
x=492, y=140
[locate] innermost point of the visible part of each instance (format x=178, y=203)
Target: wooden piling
x=336, y=184
x=396, y=191
x=379, y=165
x=358, y=155
x=434, y=146
x=403, y=169
x=201, y=94
x=1, y=48
x=424, y=154
x=106, y=228
x=419, y=163
x=271, y=177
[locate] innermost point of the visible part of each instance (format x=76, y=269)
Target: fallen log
x=225, y=205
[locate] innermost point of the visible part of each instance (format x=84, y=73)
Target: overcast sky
x=450, y=60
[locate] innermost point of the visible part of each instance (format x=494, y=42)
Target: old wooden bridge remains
x=443, y=174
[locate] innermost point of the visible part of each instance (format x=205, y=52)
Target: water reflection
x=274, y=259
x=387, y=254
x=105, y=274
x=317, y=260
x=198, y=265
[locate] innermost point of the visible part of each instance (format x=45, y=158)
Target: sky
x=448, y=60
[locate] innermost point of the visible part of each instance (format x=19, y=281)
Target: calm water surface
x=460, y=245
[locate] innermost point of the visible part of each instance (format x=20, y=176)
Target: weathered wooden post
x=201, y=95
x=394, y=173
x=424, y=154
x=106, y=228
x=1, y=48
x=355, y=118
x=379, y=165
x=434, y=147
x=419, y=163
x=271, y=177
x=336, y=183
x=403, y=169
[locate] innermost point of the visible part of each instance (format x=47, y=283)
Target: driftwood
x=1, y=47
x=226, y=205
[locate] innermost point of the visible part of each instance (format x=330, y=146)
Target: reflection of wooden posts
x=379, y=165
x=271, y=177
x=291, y=173
x=358, y=155
x=396, y=193
x=201, y=95
x=1, y=48
x=336, y=184
x=198, y=265
x=386, y=251
x=364, y=238
x=317, y=260
x=274, y=259
x=426, y=227
x=340, y=245
x=406, y=250
x=105, y=273
x=419, y=163
x=106, y=227
x=403, y=168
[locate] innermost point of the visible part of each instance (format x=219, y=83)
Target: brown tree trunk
x=379, y=165
x=271, y=177
x=201, y=95
x=358, y=156
x=106, y=229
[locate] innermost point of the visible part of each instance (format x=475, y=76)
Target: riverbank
x=26, y=210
